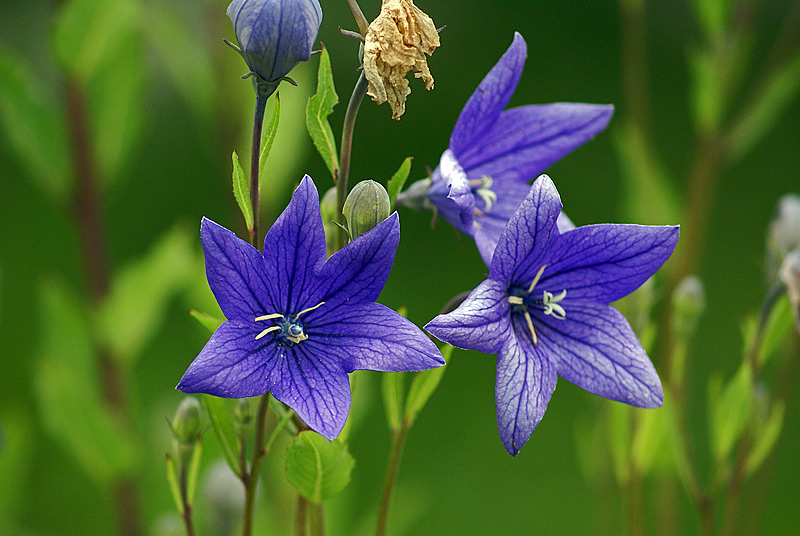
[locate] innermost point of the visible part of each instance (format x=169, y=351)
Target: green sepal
x=211, y=323
x=222, y=423
x=398, y=180
x=320, y=106
x=316, y=467
x=268, y=137
x=766, y=436
x=393, y=391
x=422, y=387
x=174, y=483
x=241, y=191
x=193, y=471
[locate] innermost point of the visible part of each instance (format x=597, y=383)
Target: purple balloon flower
x=298, y=324
x=544, y=311
x=483, y=176
x=275, y=35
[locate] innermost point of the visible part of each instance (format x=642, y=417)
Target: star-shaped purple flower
x=298, y=324
x=483, y=176
x=544, y=311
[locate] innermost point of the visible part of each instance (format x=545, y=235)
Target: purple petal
x=372, y=337
x=233, y=364
x=606, y=262
x=451, y=193
x=236, y=273
x=598, y=351
x=358, y=272
x=527, y=237
x=315, y=386
x=484, y=106
x=526, y=379
x=490, y=225
x=294, y=249
x=480, y=323
x=527, y=140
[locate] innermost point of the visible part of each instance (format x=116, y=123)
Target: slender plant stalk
x=250, y=478
x=317, y=520
x=300, y=516
x=187, y=507
x=88, y=213
x=361, y=20
x=395, y=457
x=347, y=145
x=255, y=153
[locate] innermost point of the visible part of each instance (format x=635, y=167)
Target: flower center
x=522, y=299
x=481, y=188
x=289, y=330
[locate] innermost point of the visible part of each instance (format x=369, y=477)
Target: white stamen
x=320, y=304
x=551, y=306
x=268, y=330
x=530, y=326
x=269, y=317
x=536, y=279
x=515, y=300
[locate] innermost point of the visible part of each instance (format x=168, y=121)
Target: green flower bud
x=365, y=207
x=688, y=304
x=242, y=413
x=186, y=428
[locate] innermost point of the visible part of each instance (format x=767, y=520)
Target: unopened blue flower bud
x=274, y=36
x=366, y=206
x=688, y=304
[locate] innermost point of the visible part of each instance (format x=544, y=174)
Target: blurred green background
x=166, y=109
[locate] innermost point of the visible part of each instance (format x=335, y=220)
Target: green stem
x=317, y=520
x=361, y=20
x=187, y=508
x=250, y=478
x=255, y=153
x=300, y=516
x=347, y=146
x=396, y=455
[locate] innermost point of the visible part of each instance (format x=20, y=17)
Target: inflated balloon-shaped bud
x=365, y=207
x=187, y=426
x=688, y=305
x=274, y=36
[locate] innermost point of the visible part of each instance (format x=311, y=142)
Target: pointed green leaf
x=423, y=385
x=174, y=483
x=320, y=106
x=33, y=125
x=395, y=184
x=779, y=324
x=393, y=390
x=193, y=471
x=730, y=411
x=318, y=468
x=269, y=134
x=68, y=391
x=222, y=423
x=766, y=438
x=130, y=317
x=241, y=191
x=211, y=323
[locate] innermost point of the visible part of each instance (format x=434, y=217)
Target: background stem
x=396, y=455
x=347, y=145
x=255, y=153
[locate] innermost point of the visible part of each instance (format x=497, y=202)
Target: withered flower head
x=396, y=42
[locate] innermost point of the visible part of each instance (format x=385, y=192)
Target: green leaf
x=650, y=197
x=174, y=483
x=241, y=191
x=780, y=323
x=34, y=126
x=423, y=385
x=269, y=135
x=393, y=390
x=222, y=422
x=211, y=323
x=320, y=106
x=395, y=184
x=767, y=109
x=193, y=471
x=318, y=468
x=766, y=437
x=68, y=391
x=730, y=411
x=140, y=293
